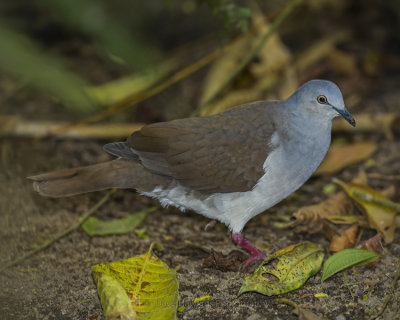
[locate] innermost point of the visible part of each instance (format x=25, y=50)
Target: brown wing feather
x=220, y=153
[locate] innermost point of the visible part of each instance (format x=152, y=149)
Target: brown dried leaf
x=338, y=209
x=380, y=210
x=339, y=157
x=273, y=59
x=345, y=240
x=309, y=218
x=373, y=244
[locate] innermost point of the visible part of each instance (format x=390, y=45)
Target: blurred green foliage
x=24, y=59
x=232, y=14
x=124, y=33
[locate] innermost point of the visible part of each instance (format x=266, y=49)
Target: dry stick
x=274, y=26
x=390, y=295
x=74, y=227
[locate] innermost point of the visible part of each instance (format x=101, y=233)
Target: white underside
x=285, y=171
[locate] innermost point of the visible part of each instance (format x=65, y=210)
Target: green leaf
x=113, y=298
x=151, y=285
x=346, y=258
x=95, y=227
x=291, y=266
x=141, y=233
x=329, y=188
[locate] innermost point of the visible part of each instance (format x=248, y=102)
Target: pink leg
x=255, y=254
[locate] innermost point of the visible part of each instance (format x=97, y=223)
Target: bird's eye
x=322, y=99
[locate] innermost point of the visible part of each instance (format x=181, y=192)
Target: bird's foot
x=210, y=225
x=255, y=254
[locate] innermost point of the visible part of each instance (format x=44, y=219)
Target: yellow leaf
x=114, y=300
x=118, y=90
x=288, y=269
x=339, y=157
x=380, y=210
x=321, y=295
x=151, y=285
x=201, y=299
x=273, y=59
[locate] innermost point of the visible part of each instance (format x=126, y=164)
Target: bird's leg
x=255, y=254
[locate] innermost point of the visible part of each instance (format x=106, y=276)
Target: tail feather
x=112, y=174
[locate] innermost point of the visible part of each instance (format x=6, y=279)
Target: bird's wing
x=219, y=153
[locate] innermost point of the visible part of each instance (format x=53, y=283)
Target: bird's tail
x=112, y=174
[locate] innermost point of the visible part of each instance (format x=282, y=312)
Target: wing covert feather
x=219, y=153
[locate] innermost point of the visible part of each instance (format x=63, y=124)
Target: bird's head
x=323, y=98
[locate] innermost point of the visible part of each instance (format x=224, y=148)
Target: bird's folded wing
x=219, y=153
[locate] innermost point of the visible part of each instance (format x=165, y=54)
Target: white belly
x=285, y=171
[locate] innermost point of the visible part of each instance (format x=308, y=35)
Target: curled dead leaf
x=380, y=210
x=373, y=244
x=310, y=218
x=345, y=240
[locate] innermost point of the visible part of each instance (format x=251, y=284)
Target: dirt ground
x=57, y=283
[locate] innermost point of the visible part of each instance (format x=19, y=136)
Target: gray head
x=323, y=98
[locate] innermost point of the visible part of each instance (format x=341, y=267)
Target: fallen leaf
x=181, y=309
x=310, y=218
x=373, y=244
x=199, y=299
x=95, y=227
x=305, y=314
x=339, y=157
x=141, y=233
x=287, y=270
x=321, y=295
x=329, y=188
x=378, y=208
x=344, y=259
x=345, y=240
x=272, y=59
x=113, y=298
x=150, y=284
x=115, y=91
x=339, y=209
x=302, y=313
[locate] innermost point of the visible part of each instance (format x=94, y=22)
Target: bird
x=228, y=167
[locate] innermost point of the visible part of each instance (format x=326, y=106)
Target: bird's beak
x=346, y=115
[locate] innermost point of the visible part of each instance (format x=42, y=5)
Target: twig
x=274, y=26
x=390, y=295
x=15, y=126
x=74, y=227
